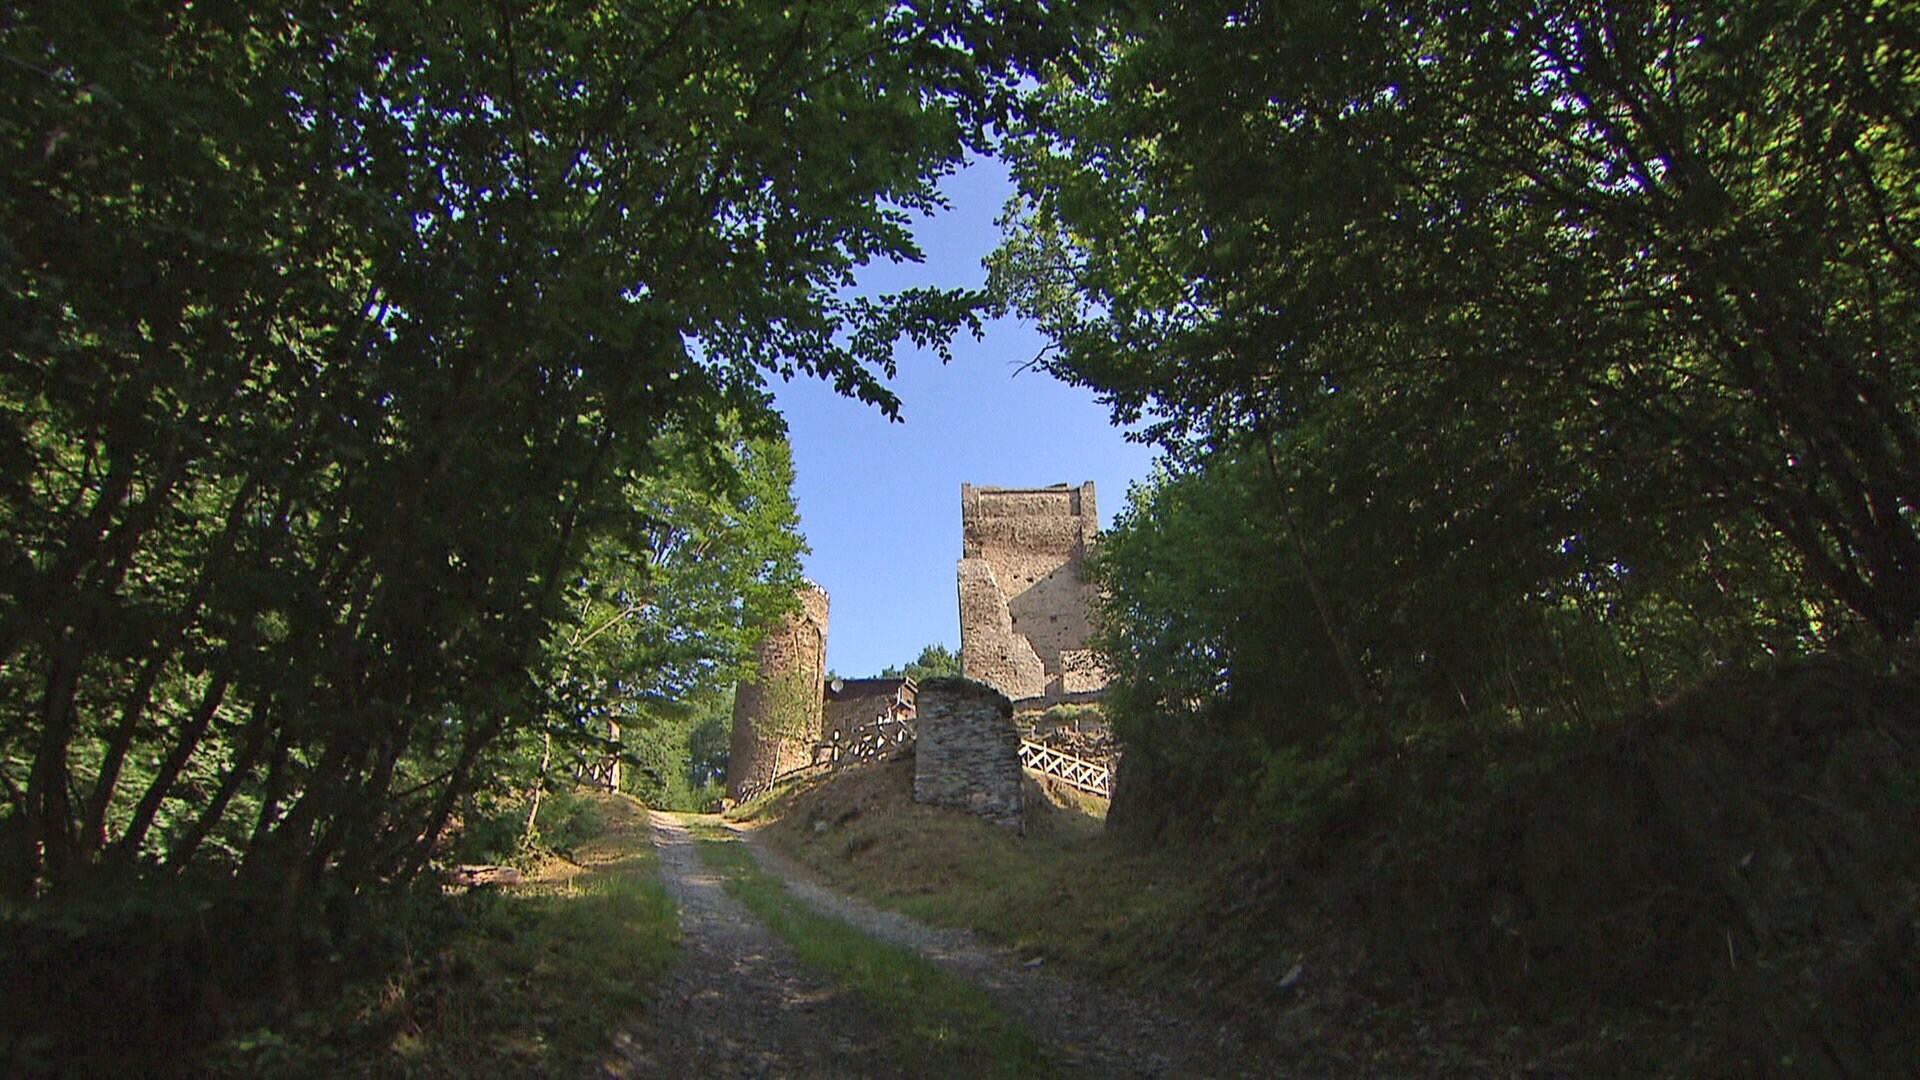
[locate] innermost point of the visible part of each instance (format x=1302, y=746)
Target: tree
x=336, y=338
x=680, y=756
x=936, y=661
x=1666, y=250
x=1221, y=666
x=1521, y=360
x=664, y=610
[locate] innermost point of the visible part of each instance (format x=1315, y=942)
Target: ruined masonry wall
x=1024, y=607
x=968, y=754
x=990, y=650
x=778, y=716
x=1081, y=671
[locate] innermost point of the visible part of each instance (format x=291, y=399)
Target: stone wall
x=777, y=717
x=968, y=754
x=1081, y=672
x=990, y=651
x=1023, y=603
x=853, y=704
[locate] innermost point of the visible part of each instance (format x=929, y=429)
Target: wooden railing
x=881, y=737
x=601, y=773
x=874, y=739
x=1094, y=777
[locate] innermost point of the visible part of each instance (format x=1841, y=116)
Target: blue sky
x=880, y=502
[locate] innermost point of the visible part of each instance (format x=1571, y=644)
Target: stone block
x=968, y=755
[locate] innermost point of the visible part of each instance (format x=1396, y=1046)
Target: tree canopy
x=367, y=369
x=934, y=661
x=1515, y=360
x=1651, y=258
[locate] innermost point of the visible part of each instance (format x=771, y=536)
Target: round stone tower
x=777, y=717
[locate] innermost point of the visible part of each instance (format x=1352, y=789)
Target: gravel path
x=1095, y=1032
x=740, y=1003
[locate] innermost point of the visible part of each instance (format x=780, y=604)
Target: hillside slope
x=1725, y=884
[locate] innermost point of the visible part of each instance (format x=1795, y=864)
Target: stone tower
x=1023, y=602
x=777, y=716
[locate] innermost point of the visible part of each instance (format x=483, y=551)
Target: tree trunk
x=176, y=762
x=183, y=851
x=539, y=784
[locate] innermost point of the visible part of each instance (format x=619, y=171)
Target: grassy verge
x=530, y=980
x=1722, y=884
x=1196, y=924
x=1064, y=891
x=942, y=1026
x=1245, y=944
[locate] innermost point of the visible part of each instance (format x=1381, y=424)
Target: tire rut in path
x=740, y=1003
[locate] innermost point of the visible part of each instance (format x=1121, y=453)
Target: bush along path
x=783, y=977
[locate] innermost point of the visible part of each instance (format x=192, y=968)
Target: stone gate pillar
x=968, y=753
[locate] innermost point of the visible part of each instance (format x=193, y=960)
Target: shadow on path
x=740, y=1003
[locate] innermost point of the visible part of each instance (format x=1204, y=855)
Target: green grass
x=774, y=796
x=529, y=980
x=942, y=1025
x=1065, y=891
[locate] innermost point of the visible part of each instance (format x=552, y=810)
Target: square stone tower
x=1023, y=600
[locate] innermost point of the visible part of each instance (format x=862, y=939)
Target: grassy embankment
x=1064, y=892
x=1207, y=926
x=522, y=981
x=1722, y=884
x=942, y=1026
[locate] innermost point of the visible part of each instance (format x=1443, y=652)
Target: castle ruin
x=778, y=716
x=968, y=753
x=1024, y=603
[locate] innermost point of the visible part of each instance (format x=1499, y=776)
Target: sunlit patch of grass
x=943, y=1026
x=529, y=980
x=766, y=804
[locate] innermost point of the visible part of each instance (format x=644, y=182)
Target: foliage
x=1226, y=680
x=493, y=828
x=1527, y=361
x=666, y=611
x=936, y=661
x=570, y=819
x=359, y=362
x=1071, y=713
x=1605, y=264
x=790, y=704
x=680, y=757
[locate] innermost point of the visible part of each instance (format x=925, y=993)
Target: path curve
x=1095, y=1032
x=740, y=1003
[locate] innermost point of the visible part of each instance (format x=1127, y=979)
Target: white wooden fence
x=879, y=738
x=1094, y=777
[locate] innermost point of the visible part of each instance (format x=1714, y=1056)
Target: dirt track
x=741, y=1004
